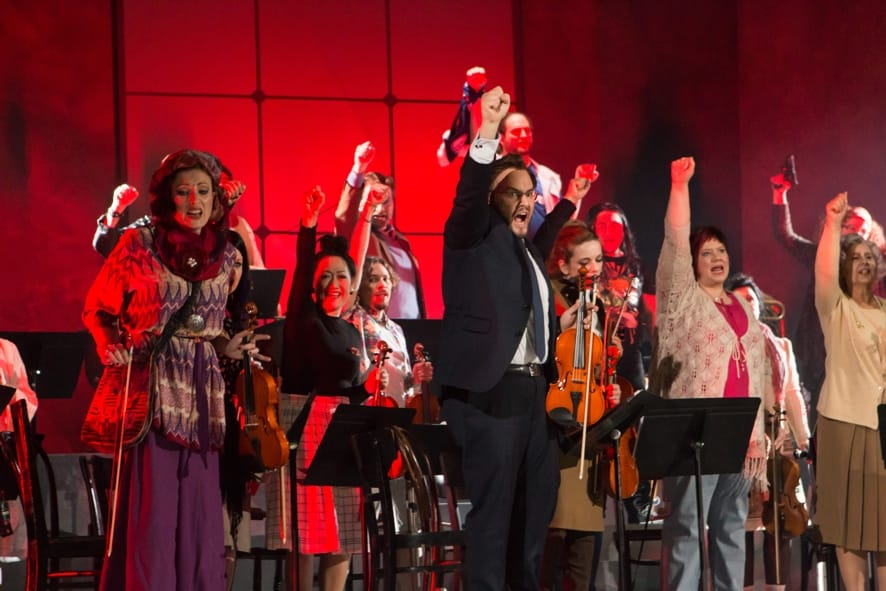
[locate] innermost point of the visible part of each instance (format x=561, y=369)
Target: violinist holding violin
x=781, y=500
x=370, y=318
x=574, y=540
x=369, y=314
x=236, y=474
x=168, y=526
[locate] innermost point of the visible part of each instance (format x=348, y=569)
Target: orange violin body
x=565, y=401
x=578, y=354
x=792, y=513
x=260, y=435
x=630, y=474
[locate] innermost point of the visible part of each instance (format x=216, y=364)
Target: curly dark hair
x=189, y=255
x=363, y=292
x=162, y=201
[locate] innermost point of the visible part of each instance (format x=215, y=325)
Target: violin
x=627, y=465
x=261, y=435
x=783, y=515
x=784, y=477
x=426, y=406
x=576, y=397
x=379, y=398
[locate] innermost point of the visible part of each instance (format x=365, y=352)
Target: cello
x=427, y=409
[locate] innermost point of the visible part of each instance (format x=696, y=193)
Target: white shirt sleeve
x=483, y=150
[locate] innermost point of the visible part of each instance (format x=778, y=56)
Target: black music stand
x=52, y=359
x=334, y=463
x=8, y=483
x=691, y=437
x=6, y=394
x=608, y=430
x=265, y=289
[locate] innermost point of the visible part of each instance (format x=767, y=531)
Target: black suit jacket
x=487, y=291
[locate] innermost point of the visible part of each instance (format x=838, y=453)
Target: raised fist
x=124, y=196
x=682, y=169
x=837, y=207
x=780, y=183
x=313, y=201
x=587, y=171
x=494, y=105
x=363, y=154
x=232, y=190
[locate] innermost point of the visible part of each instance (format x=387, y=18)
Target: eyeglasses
x=515, y=194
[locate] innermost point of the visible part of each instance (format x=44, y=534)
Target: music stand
x=334, y=463
x=6, y=394
x=8, y=483
x=52, y=359
x=691, y=437
x=609, y=430
x=266, y=286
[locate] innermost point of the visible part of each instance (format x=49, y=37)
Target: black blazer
x=487, y=291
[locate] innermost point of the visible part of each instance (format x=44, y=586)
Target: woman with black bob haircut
x=321, y=357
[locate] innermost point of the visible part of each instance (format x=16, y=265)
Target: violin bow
x=118, y=458
x=588, y=379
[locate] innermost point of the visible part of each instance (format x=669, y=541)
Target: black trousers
x=509, y=458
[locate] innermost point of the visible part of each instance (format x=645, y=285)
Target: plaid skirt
x=328, y=517
x=851, y=484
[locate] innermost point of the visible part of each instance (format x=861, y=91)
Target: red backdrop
x=283, y=91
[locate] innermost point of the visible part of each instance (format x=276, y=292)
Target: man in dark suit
x=496, y=359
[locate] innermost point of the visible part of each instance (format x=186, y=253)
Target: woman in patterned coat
x=169, y=527
x=709, y=346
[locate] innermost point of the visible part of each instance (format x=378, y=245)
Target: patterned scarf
x=190, y=255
